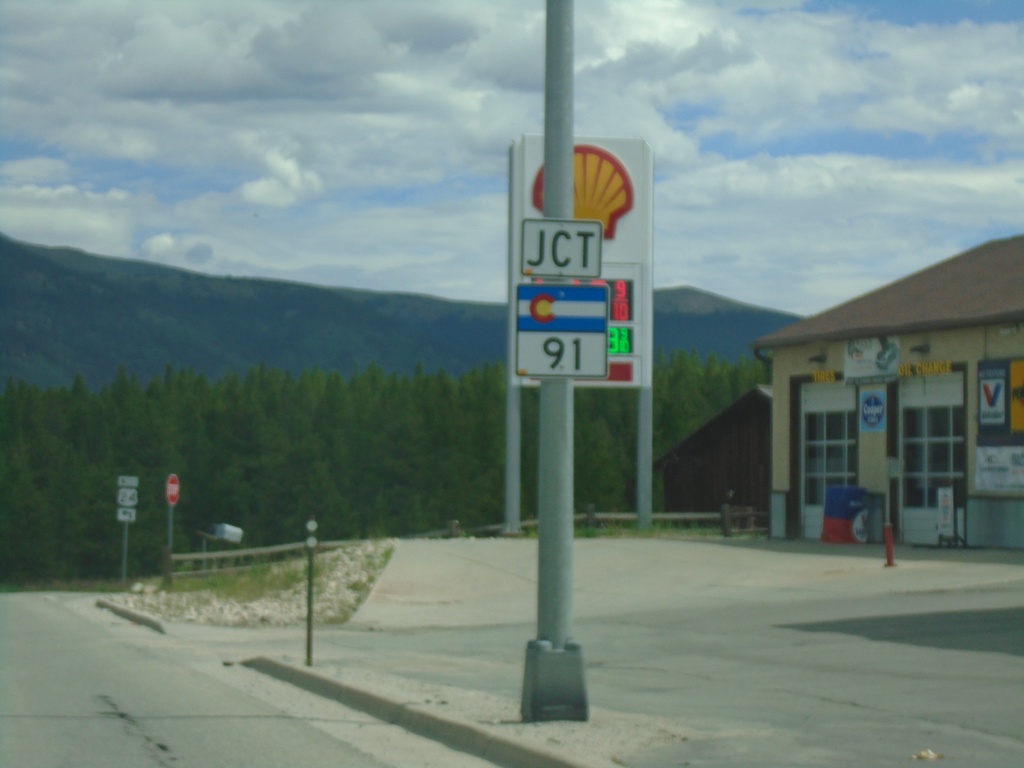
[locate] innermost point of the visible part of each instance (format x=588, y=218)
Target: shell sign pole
x=613, y=182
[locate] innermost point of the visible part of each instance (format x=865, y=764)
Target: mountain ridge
x=64, y=311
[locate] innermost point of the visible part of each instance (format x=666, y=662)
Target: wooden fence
x=730, y=520
x=189, y=564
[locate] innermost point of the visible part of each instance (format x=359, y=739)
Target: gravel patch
x=345, y=577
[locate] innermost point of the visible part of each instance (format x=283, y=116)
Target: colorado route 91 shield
x=562, y=330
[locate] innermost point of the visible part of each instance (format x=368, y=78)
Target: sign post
x=553, y=681
x=310, y=551
x=127, y=498
x=172, y=492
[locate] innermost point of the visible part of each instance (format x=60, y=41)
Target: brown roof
x=982, y=286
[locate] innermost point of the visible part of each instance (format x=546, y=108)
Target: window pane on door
x=835, y=426
x=939, y=422
x=933, y=452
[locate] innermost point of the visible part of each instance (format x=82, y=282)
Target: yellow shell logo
x=602, y=189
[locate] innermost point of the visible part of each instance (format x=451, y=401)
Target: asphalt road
x=761, y=655
x=78, y=693
x=773, y=654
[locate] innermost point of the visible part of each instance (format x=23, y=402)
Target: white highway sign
x=562, y=331
x=127, y=497
x=562, y=248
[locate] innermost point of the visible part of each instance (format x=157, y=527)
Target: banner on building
x=999, y=468
x=872, y=360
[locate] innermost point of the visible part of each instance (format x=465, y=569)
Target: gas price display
x=620, y=310
x=620, y=340
x=621, y=298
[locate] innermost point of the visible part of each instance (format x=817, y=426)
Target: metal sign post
x=310, y=551
x=172, y=491
x=553, y=683
x=127, y=498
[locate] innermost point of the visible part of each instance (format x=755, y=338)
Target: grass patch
x=256, y=582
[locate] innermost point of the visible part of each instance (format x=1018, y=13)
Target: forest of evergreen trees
x=371, y=454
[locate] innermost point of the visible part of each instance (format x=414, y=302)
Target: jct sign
x=556, y=248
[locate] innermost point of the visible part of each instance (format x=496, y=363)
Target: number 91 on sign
x=576, y=355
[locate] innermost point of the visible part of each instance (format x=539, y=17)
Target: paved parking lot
x=758, y=653
x=698, y=653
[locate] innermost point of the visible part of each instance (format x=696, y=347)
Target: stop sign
x=172, y=489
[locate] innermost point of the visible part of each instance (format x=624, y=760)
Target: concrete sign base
x=553, y=684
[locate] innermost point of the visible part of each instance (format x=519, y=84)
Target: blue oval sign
x=872, y=413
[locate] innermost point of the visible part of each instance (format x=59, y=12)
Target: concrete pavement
x=720, y=652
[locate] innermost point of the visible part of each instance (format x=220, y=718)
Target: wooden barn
x=727, y=459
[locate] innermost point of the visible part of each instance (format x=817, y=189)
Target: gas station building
x=908, y=391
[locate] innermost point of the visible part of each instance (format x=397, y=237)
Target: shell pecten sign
x=602, y=189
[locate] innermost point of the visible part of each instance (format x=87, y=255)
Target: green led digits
x=620, y=340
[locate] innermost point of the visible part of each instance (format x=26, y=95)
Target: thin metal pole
x=644, y=458
x=555, y=513
x=513, y=397
x=513, y=454
x=553, y=685
x=555, y=476
x=124, y=554
x=309, y=607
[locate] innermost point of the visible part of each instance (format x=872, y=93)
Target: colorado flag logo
x=562, y=308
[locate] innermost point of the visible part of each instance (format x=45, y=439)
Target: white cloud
x=285, y=185
x=100, y=222
x=800, y=156
x=189, y=251
x=35, y=170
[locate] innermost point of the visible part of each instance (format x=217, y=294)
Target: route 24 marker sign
x=562, y=330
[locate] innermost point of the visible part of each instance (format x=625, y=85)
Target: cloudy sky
x=805, y=151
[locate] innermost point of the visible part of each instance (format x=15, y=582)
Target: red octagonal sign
x=172, y=489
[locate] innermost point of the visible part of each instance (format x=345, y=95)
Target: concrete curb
x=125, y=613
x=452, y=732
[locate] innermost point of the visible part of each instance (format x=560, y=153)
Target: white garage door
x=828, y=448
x=933, y=451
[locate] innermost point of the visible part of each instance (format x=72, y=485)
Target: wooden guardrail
x=236, y=560
x=730, y=520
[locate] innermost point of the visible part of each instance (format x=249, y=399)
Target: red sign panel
x=173, y=489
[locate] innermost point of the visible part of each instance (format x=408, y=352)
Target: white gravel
x=345, y=578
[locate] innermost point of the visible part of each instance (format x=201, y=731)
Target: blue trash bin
x=845, y=515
